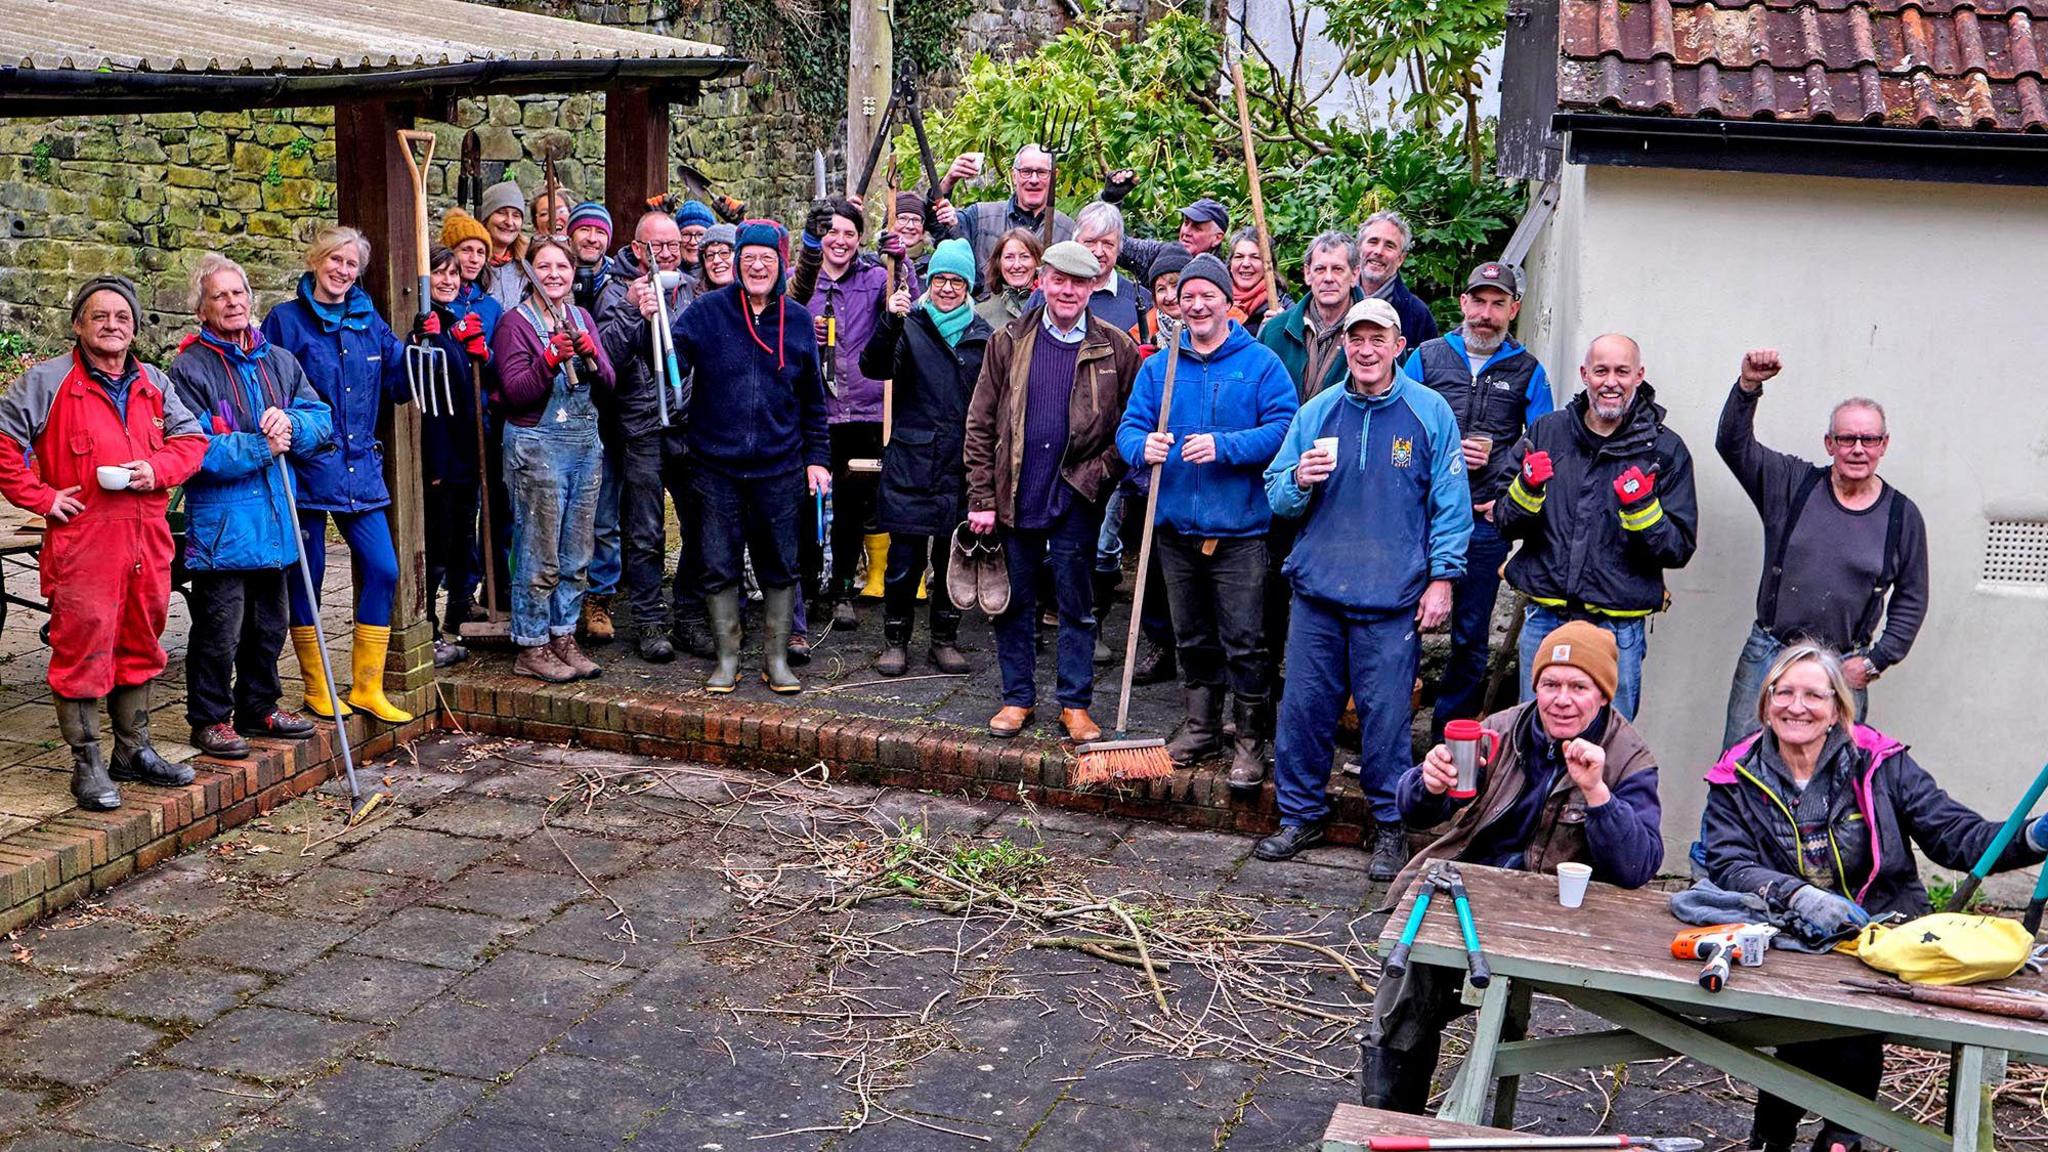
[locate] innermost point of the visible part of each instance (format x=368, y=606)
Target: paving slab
x=438, y=936
x=266, y=1043
x=374, y=1106
x=263, y=941
x=567, y=853
x=584, y=1097
x=75, y=1049
x=366, y=988
x=346, y=896
x=547, y=986
x=493, y=1133
x=18, y=1109
x=466, y=1040
x=480, y=817
x=508, y=892
x=172, y=992
x=23, y=989
x=160, y=1107
x=94, y=945
x=416, y=853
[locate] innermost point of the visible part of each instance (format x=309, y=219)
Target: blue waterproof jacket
x=357, y=366
x=1242, y=395
x=237, y=517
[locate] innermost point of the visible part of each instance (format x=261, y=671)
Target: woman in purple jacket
x=549, y=364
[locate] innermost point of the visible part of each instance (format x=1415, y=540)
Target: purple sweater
x=524, y=378
x=1040, y=495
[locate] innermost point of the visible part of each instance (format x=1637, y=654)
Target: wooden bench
x=1353, y=1126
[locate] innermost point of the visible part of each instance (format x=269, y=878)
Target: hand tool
x=1720, y=945
x=552, y=188
x=1056, y=129
x=1251, y=167
x=493, y=623
x=818, y=193
x=1120, y=757
x=426, y=364
x=904, y=102
x=1970, y=1000
x=1449, y=880
x=666, y=366
x=873, y=464
x=558, y=317
x=1526, y=1143
x=469, y=185
x=359, y=805
x=1397, y=960
x=2013, y=823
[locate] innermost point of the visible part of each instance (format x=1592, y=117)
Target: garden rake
x=426, y=364
x=1057, y=127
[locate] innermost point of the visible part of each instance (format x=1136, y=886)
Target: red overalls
x=107, y=572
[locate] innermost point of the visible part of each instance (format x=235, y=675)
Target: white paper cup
x=113, y=477
x=1571, y=883
x=1327, y=444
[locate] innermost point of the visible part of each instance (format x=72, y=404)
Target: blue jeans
x=747, y=517
x=1461, y=688
x=1750, y=670
x=1066, y=549
x=607, y=557
x=1539, y=621
x=552, y=474
x=369, y=540
x=1331, y=656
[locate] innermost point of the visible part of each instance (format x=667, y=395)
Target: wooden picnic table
x=21, y=542
x=1612, y=957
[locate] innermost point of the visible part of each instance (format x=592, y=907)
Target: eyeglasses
x=1785, y=697
x=1848, y=439
x=759, y=260
x=665, y=245
x=1039, y=173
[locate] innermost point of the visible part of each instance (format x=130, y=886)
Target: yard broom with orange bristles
x=1120, y=757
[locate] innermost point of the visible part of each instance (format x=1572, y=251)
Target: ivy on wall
x=803, y=47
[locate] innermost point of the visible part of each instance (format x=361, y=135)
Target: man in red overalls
x=110, y=439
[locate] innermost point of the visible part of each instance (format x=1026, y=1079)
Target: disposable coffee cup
x=113, y=477
x=1327, y=444
x=1571, y=883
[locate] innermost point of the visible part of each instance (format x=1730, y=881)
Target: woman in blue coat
x=357, y=366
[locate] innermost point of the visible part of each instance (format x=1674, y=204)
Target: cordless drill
x=1720, y=945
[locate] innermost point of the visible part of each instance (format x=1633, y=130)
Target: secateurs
x=1442, y=877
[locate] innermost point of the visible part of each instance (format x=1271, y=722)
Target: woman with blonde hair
x=1819, y=815
x=357, y=366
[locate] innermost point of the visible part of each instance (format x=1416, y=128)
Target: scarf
x=237, y=407
x=950, y=324
x=353, y=312
x=1247, y=302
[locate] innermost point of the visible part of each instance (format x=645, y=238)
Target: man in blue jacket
x=1496, y=388
x=255, y=404
x=1373, y=472
x=1232, y=401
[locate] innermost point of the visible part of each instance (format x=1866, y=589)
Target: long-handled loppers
x=2013, y=823
x=1442, y=878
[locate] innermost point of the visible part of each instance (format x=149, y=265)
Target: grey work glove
x=1824, y=916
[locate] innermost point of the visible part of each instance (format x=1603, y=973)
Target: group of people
x=1335, y=478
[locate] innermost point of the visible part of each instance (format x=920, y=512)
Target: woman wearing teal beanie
x=932, y=351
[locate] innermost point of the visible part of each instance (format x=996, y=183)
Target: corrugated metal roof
x=269, y=36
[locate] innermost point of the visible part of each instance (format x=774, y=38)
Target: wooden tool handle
x=1123, y=703
x=1251, y=165
x=418, y=166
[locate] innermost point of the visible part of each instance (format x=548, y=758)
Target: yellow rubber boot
x=878, y=565
x=366, y=691
x=922, y=591
x=306, y=642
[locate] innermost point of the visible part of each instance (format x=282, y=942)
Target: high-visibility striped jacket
x=1581, y=553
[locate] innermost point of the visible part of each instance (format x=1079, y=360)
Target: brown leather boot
x=1080, y=728
x=541, y=663
x=568, y=653
x=597, y=620
x=1010, y=721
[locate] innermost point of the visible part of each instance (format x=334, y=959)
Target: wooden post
x=870, y=73
x=374, y=196
x=636, y=134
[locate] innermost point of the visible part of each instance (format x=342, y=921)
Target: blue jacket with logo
x=1394, y=516
x=237, y=518
x=1242, y=395
x=357, y=366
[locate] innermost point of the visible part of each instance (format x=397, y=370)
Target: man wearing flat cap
x=1373, y=473
x=1041, y=460
x=111, y=438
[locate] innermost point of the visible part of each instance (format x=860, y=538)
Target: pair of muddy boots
x=93, y=782
x=778, y=611
x=945, y=650
x=1202, y=736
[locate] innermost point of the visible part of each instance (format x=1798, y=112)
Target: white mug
x=114, y=478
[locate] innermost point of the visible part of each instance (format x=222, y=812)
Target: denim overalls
x=552, y=472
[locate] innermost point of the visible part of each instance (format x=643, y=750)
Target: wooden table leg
x=1467, y=1095
x=1973, y=1074
x=1507, y=1089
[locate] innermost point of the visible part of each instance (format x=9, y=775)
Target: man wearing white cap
x=1374, y=473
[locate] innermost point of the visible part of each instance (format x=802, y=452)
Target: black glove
x=819, y=222
x=1118, y=184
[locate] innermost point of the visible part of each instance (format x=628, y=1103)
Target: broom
x=1120, y=757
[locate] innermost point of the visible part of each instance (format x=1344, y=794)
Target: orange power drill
x=1721, y=945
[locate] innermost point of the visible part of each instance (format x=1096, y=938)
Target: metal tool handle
x=348, y=764
x=1475, y=961
x=1961, y=899
x=1397, y=960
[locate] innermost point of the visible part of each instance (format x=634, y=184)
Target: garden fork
x=1057, y=127
x=426, y=365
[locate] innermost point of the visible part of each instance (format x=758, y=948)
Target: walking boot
x=1290, y=840
x=724, y=610
x=1392, y=1080
x=877, y=544
x=1197, y=739
x=541, y=663
x=895, y=657
x=1156, y=664
x=135, y=759
x=945, y=653
x=844, y=617
x=693, y=635
x=366, y=689
x=598, y=627
x=568, y=653
x=1389, y=851
x=1248, y=744
x=778, y=611
x=655, y=647
x=79, y=722
x=319, y=699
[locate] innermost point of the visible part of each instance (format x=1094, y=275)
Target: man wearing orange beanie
x=1572, y=781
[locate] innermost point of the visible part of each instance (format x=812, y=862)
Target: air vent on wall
x=2016, y=553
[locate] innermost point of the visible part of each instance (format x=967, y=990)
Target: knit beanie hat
x=694, y=212
x=724, y=234
x=1206, y=267
x=458, y=226
x=590, y=214
x=955, y=256
x=119, y=285
x=909, y=204
x=1169, y=262
x=764, y=234
x=1583, y=645
x=503, y=194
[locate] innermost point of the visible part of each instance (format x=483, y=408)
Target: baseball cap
x=1372, y=310
x=1494, y=274
x=1207, y=211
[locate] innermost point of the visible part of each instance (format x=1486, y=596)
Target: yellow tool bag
x=1946, y=948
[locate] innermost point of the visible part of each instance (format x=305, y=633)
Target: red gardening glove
x=1635, y=487
x=1536, y=471
x=561, y=346
x=470, y=326
x=427, y=325
x=892, y=245
x=477, y=346
x=586, y=344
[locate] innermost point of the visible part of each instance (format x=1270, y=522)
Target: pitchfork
x=1057, y=127
x=426, y=364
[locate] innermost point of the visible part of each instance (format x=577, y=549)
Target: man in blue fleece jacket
x=1232, y=400
x=1385, y=515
